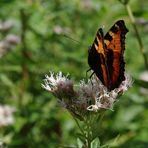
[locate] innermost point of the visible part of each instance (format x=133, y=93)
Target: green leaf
x=79, y=143
x=135, y=144
x=20, y=122
x=6, y=80
x=81, y=137
x=141, y=83
x=95, y=143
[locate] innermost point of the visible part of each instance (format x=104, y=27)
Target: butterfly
x=105, y=56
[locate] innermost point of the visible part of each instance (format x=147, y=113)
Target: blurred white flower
x=5, y=25
x=4, y=47
x=8, y=43
x=12, y=39
x=142, y=21
x=60, y=30
x=86, y=4
x=6, y=115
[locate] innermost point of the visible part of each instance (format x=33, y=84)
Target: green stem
x=79, y=126
x=24, y=67
x=131, y=16
x=77, y=123
x=101, y=117
x=88, y=138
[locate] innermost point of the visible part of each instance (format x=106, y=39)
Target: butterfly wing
x=105, y=56
x=115, y=45
x=97, y=58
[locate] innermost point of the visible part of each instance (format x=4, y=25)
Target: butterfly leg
x=91, y=77
x=88, y=71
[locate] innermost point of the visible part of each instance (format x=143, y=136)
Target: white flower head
x=106, y=99
x=51, y=82
x=59, y=85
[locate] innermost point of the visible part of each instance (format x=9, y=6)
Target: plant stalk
x=131, y=16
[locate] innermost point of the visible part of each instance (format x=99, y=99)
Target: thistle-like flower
x=59, y=85
x=87, y=96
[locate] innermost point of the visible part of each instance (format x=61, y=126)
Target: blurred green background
x=41, y=46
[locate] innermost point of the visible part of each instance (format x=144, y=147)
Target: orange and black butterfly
x=105, y=56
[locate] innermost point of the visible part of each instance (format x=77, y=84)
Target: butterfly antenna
x=71, y=38
x=103, y=26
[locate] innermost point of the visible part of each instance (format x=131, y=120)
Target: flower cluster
x=91, y=95
x=6, y=115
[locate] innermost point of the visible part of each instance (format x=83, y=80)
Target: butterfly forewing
x=97, y=59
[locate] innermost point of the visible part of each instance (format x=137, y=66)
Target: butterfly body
x=105, y=56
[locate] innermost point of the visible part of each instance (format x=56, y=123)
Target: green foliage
x=41, y=26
